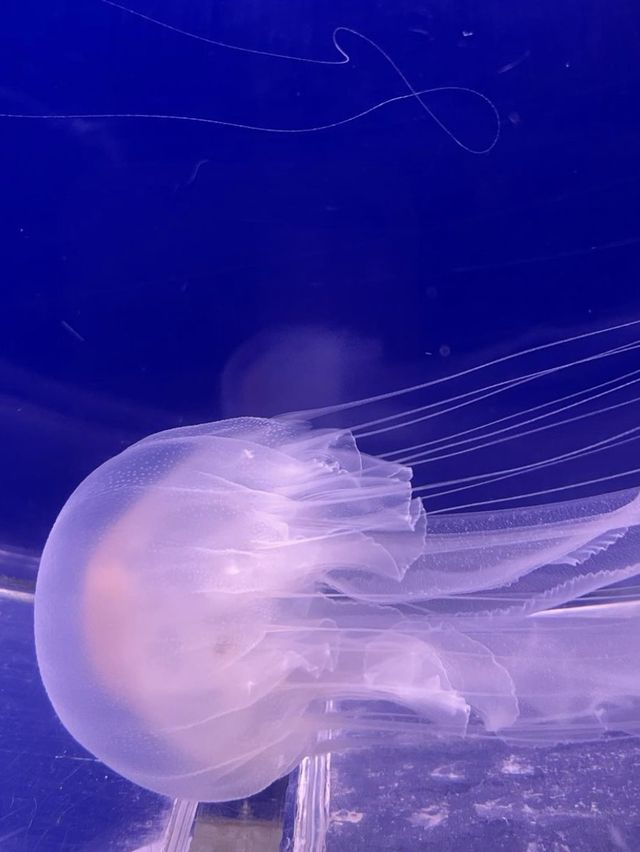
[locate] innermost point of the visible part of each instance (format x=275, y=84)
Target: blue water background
x=128, y=282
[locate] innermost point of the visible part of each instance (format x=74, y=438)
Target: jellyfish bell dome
x=179, y=629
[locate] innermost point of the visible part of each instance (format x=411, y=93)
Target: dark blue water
x=138, y=255
x=145, y=261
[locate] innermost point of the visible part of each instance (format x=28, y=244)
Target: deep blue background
x=139, y=255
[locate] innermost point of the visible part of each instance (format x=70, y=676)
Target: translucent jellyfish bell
x=216, y=600
x=177, y=626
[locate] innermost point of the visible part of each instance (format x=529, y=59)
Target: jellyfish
x=219, y=601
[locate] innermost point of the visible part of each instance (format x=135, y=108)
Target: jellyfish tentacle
x=437, y=454
x=477, y=394
x=616, y=440
x=448, y=441
x=594, y=334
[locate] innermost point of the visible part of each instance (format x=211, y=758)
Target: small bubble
x=445, y=350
